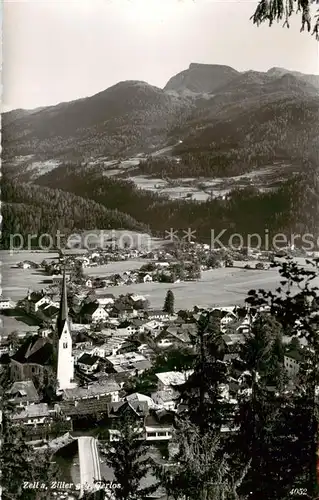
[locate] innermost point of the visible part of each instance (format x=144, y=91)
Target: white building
x=88, y=363
x=292, y=362
x=6, y=303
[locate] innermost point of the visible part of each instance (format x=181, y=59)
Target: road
x=89, y=462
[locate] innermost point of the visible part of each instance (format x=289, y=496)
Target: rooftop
x=87, y=359
x=35, y=350
x=294, y=354
x=24, y=389
x=33, y=411
x=136, y=396
x=174, y=378
x=101, y=388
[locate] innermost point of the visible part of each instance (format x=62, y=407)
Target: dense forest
x=286, y=130
x=290, y=208
x=28, y=209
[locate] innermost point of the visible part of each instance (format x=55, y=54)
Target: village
x=117, y=354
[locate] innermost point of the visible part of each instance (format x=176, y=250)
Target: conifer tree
x=282, y=10
x=200, y=395
x=169, y=302
x=295, y=306
x=127, y=458
x=21, y=464
x=199, y=468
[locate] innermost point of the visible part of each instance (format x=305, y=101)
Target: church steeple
x=65, y=364
x=63, y=312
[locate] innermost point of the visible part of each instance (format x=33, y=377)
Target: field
x=201, y=189
x=218, y=287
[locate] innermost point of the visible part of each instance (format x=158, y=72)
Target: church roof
x=36, y=350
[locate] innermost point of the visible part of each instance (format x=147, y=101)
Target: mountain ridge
x=133, y=116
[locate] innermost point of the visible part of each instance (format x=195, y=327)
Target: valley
x=214, y=148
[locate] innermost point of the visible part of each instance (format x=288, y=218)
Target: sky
x=60, y=50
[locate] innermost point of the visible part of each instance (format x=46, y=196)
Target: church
x=34, y=358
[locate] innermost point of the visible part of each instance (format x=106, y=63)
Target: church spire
x=63, y=313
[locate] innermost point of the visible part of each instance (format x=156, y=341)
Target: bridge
x=89, y=461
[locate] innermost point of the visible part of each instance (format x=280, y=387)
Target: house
x=48, y=313
x=126, y=329
x=172, y=336
x=33, y=359
x=27, y=264
x=145, y=277
x=23, y=393
x=152, y=326
x=138, y=410
x=233, y=340
x=128, y=362
x=153, y=424
x=139, y=367
x=228, y=318
x=169, y=380
x=128, y=346
x=72, y=252
x=138, y=325
x=88, y=363
x=123, y=311
x=292, y=360
x=106, y=388
x=166, y=399
x=136, y=396
x=35, y=300
x=157, y=315
x=158, y=425
x=107, y=349
x=6, y=303
x=137, y=298
x=24, y=265
x=34, y=415
x=89, y=283
x=93, y=312
x=106, y=299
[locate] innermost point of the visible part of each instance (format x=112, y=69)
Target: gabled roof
x=35, y=297
x=174, y=378
x=164, y=396
x=136, y=396
x=50, y=312
x=89, y=406
x=158, y=418
x=33, y=411
x=100, y=388
x=24, y=389
x=90, y=308
x=139, y=408
x=35, y=350
x=141, y=365
x=176, y=333
x=233, y=338
x=87, y=359
x=294, y=354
